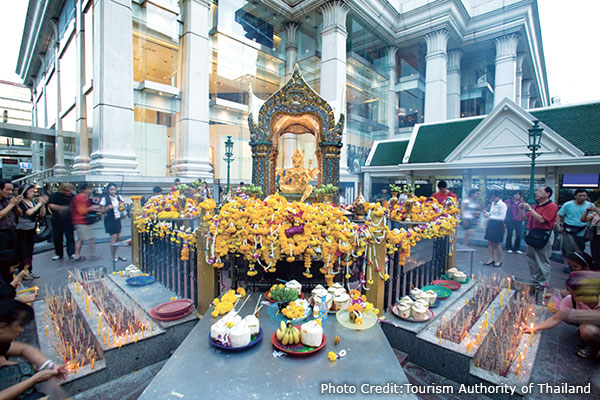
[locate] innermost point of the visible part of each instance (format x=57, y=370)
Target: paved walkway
x=556, y=362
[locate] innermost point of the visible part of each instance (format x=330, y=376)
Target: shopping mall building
x=147, y=90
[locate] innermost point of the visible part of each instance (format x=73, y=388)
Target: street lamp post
x=228, y=158
x=535, y=138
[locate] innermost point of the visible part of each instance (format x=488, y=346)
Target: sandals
x=585, y=352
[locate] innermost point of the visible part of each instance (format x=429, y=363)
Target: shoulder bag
x=537, y=237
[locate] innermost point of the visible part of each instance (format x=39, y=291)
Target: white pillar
x=392, y=96
x=506, y=67
x=519, y=81
x=435, y=76
x=82, y=159
x=59, y=164
x=113, y=140
x=467, y=183
x=291, y=48
x=333, y=66
x=35, y=146
x=454, y=57
x=525, y=93
x=192, y=148
x=366, y=188
x=290, y=144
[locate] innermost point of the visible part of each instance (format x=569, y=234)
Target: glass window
x=251, y=20
x=154, y=59
x=410, y=108
x=68, y=83
x=51, y=101
x=153, y=129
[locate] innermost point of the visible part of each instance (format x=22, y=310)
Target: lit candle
x=525, y=352
x=486, y=317
x=500, y=299
x=492, y=310
x=531, y=335
x=77, y=287
x=478, y=363
x=469, y=345
x=533, y=319
x=151, y=326
x=46, y=330
x=509, y=286
x=35, y=290
x=440, y=337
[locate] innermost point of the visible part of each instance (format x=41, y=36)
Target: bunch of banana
x=288, y=334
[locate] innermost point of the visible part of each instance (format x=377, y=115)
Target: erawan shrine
x=283, y=292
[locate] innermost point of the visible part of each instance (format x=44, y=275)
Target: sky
x=570, y=30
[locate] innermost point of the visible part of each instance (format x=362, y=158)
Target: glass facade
x=410, y=70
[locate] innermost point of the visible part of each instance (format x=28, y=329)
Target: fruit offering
x=281, y=293
x=288, y=334
x=296, y=309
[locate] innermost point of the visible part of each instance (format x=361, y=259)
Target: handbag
x=573, y=229
x=590, y=233
x=43, y=235
x=537, y=237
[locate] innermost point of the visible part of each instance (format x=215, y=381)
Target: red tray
x=452, y=285
x=296, y=349
x=172, y=318
x=173, y=308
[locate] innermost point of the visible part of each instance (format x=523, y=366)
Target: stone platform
x=198, y=370
x=118, y=359
x=452, y=360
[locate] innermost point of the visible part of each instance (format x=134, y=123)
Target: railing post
x=135, y=236
x=206, y=272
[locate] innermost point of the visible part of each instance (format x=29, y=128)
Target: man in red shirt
x=443, y=193
x=543, y=216
x=81, y=205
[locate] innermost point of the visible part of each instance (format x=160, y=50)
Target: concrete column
x=436, y=89
x=366, y=188
x=59, y=164
x=82, y=159
x=454, y=57
x=291, y=48
x=35, y=146
x=525, y=93
x=506, y=67
x=392, y=96
x=192, y=147
x=333, y=66
x=467, y=183
x=519, y=81
x=551, y=181
x=113, y=140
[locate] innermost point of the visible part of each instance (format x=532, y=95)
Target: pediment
x=503, y=136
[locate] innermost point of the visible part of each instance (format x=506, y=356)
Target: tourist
x=541, y=216
x=592, y=215
x=470, y=212
x=9, y=282
x=443, y=193
x=81, y=207
x=30, y=212
x=61, y=220
x=382, y=196
x=111, y=207
x=204, y=191
x=569, y=223
x=579, y=261
x=494, y=234
x=584, y=297
x=18, y=379
x=8, y=216
x=514, y=223
x=175, y=184
x=240, y=192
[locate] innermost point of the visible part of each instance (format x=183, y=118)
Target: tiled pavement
x=556, y=362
